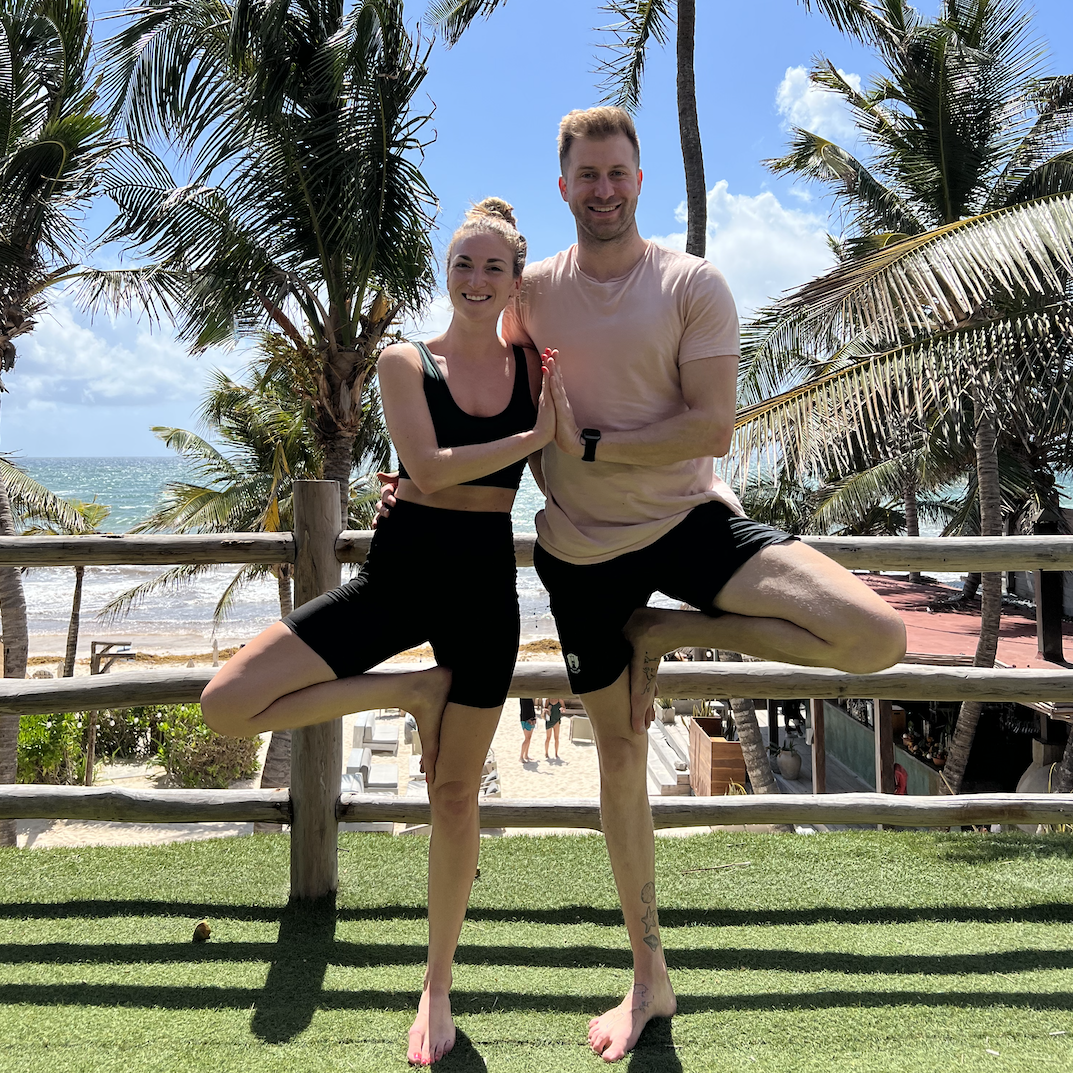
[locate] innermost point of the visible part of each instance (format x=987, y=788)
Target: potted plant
x=788, y=757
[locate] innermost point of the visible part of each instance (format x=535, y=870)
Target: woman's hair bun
x=494, y=206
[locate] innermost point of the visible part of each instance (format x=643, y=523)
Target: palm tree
x=52, y=143
x=20, y=497
x=640, y=22
x=266, y=426
x=303, y=209
x=954, y=289
x=89, y=518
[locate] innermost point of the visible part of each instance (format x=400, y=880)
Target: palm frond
x=453, y=17
x=933, y=282
x=177, y=578
x=639, y=22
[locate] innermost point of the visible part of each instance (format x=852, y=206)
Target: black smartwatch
x=590, y=437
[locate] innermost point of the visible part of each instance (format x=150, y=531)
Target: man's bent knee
x=455, y=800
x=875, y=649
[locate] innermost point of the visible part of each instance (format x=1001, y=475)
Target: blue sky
x=95, y=387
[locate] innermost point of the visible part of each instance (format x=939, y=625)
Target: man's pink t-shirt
x=621, y=344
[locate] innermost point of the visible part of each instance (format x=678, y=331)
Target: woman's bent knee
x=222, y=710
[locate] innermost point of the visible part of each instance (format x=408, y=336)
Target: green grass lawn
x=844, y=952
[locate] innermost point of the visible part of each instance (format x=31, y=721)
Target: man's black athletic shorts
x=446, y=577
x=691, y=563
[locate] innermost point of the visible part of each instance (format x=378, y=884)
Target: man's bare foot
x=614, y=1034
x=427, y=699
x=432, y=1034
x=643, y=631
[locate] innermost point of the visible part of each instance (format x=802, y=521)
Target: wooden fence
x=314, y=805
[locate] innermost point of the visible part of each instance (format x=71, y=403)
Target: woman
x=464, y=413
x=553, y=716
x=527, y=715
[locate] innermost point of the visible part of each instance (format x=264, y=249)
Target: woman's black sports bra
x=455, y=428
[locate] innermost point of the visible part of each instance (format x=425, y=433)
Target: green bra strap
x=428, y=363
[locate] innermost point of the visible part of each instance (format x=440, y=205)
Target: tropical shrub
x=130, y=733
x=50, y=749
x=195, y=756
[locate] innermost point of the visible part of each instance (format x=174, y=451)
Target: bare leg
x=627, y=824
x=277, y=682
x=465, y=736
x=527, y=737
x=790, y=603
x=547, y=742
x=556, y=729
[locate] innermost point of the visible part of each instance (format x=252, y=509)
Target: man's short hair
x=602, y=122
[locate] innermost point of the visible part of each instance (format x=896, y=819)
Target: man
x=642, y=344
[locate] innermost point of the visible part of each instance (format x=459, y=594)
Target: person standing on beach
x=527, y=715
x=464, y=412
x=642, y=345
x=553, y=717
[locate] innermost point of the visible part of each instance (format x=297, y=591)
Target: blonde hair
x=493, y=216
x=604, y=121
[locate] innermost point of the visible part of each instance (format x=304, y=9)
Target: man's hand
x=567, y=433
x=389, y=482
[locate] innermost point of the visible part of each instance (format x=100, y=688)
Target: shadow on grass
x=679, y=958
x=463, y=1058
x=655, y=1051
x=294, y=988
x=960, y=850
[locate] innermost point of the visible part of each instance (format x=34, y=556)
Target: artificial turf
x=857, y=951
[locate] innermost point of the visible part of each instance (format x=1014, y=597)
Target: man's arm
x=704, y=429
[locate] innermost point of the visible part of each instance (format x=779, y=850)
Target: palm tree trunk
x=990, y=593
x=753, y=748
x=689, y=128
x=277, y=772
x=72, y=629
x=286, y=591
x=16, y=647
x=912, y=516
x=338, y=462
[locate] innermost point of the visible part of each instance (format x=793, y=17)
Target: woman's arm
x=409, y=423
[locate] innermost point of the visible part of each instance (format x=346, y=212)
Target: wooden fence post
x=883, y=711
x=316, y=751
x=819, y=748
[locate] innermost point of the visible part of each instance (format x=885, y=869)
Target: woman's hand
x=567, y=433
x=389, y=483
x=544, y=429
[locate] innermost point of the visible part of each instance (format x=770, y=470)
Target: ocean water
x=179, y=619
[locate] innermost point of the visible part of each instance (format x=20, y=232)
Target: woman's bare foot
x=427, y=699
x=643, y=631
x=432, y=1034
x=614, y=1034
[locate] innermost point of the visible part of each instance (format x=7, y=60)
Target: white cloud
x=760, y=245
x=67, y=359
x=431, y=321
x=803, y=104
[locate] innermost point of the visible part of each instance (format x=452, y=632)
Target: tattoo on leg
x=648, y=893
x=652, y=941
x=650, y=919
x=639, y=993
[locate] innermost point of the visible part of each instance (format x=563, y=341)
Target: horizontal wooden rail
x=886, y=809
x=25, y=802
x=947, y=554
x=154, y=550
x=352, y=546
x=273, y=806
x=780, y=681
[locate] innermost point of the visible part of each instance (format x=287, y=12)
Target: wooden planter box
x=714, y=762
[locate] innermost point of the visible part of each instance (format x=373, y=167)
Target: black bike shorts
x=445, y=577
x=592, y=603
